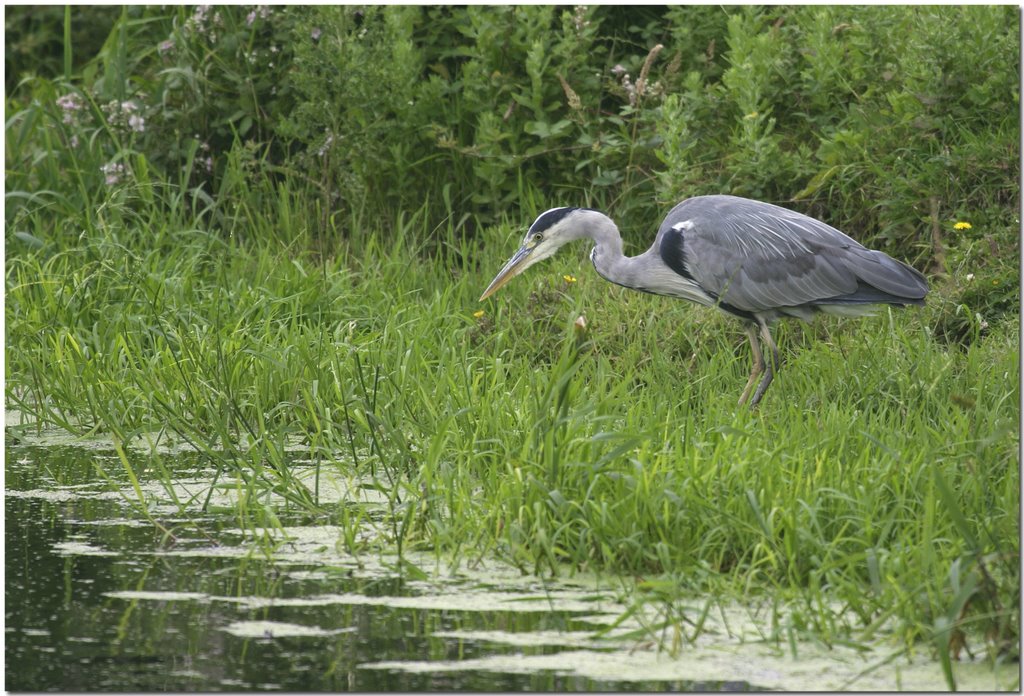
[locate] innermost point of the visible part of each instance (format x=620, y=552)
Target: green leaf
x=949, y=501
x=29, y=239
x=816, y=182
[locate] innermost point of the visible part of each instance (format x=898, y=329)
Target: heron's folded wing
x=758, y=257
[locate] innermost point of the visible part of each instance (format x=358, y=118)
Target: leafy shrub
x=35, y=44
x=889, y=122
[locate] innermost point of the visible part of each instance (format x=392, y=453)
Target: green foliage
x=358, y=104
x=862, y=115
x=252, y=228
x=36, y=43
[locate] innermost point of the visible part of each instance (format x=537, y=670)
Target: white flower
x=323, y=148
x=630, y=89
x=112, y=172
x=579, y=16
x=261, y=11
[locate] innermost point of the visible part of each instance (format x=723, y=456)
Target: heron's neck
x=646, y=272
x=607, y=255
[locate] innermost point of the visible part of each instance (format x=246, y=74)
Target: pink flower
x=70, y=103
x=112, y=172
x=261, y=11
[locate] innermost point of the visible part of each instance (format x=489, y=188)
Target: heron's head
x=548, y=232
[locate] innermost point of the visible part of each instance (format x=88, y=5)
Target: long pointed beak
x=514, y=267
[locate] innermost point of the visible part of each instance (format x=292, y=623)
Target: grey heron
x=753, y=260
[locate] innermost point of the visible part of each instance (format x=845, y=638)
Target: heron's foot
x=770, y=366
x=754, y=375
x=769, y=374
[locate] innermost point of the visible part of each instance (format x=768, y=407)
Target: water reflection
x=94, y=604
x=100, y=599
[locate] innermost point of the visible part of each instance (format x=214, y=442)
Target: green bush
x=892, y=123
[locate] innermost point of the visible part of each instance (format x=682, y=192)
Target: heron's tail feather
x=866, y=294
x=883, y=279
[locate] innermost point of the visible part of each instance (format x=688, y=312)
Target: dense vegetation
x=248, y=227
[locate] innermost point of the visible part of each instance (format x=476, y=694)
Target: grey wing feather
x=757, y=257
x=890, y=276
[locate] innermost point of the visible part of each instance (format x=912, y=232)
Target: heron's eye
x=537, y=236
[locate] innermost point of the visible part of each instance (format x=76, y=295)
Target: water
x=99, y=598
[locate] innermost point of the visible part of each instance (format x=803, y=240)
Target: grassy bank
x=242, y=292
x=881, y=471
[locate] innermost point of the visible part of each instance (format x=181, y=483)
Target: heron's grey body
x=757, y=261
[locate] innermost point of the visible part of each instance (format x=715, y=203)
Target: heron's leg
x=770, y=368
x=758, y=367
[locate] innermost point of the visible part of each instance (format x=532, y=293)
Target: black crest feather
x=550, y=218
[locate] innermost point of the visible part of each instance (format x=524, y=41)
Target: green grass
x=878, y=480
x=284, y=291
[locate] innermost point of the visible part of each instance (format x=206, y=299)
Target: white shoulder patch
x=682, y=226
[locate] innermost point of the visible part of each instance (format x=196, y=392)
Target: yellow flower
x=569, y=278
x=962, y=226
x=478, y=313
